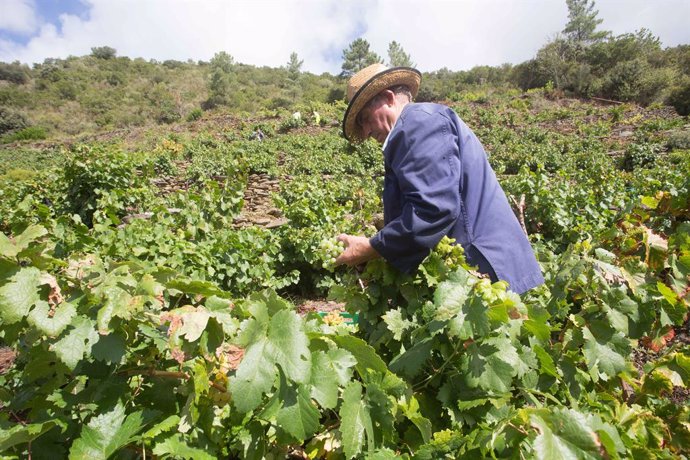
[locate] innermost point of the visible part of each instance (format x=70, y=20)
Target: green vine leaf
x=19, y=294
x=52, y=327
x=298, y=416
x=366, y=356
x=282, y=342
x=491, y=365
x=355, y=421
x=21, y=434
x=106, y=433
x=329, y=371
x=176, y=447
x=77, y=342
x=604, y=353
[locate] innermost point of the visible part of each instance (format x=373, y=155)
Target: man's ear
x=390, y=96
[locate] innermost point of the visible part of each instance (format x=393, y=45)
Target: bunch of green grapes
x=329, y=249
x=453, y=254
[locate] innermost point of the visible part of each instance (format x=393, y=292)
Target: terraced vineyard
x=160, y=295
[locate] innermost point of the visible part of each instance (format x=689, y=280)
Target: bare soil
x=7, y=357
x=642, y=355
x=306, y=306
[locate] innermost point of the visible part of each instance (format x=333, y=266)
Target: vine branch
x=168, y=374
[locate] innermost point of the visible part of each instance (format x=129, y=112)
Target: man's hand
x=357, y=251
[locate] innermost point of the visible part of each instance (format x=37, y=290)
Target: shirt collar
x=385, y=142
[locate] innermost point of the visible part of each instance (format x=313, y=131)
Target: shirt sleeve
x=426, y=163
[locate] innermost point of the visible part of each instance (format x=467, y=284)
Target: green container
x=350, y=318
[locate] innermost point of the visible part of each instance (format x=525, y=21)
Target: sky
x=453, y=34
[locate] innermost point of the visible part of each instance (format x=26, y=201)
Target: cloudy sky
x=457, y=34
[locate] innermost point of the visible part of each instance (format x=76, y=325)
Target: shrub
x=640, y=155
x=195, y=114
x=654, y=85
x=20, y=175
x=680, y=97
x=31, y=133
x=678, y=140
x=624, y=81
x=93, y=171
x=103, y=52
x=293, y=122
x=14, y=73
x=115, y=79
x=11, y=120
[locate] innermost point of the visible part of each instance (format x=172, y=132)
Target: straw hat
x=366, y=84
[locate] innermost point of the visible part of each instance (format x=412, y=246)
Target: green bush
x=623, y=82
x=640, y=155
x=680, y=97
x=11, y=120
x=655, y=84
x=292, y=122
x=14, y=73
x=678, y=140
x=91, y=172
x=31, y=133
x=103, y=52
x=195, y=114
x=19, y=175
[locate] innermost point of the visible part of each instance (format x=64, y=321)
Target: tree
x=294, y=66
x=14, y=73
x=582, y=23
x=357, y=56
x=103, y=52
x=221, y=80
x=554, y=61
x=397, y=57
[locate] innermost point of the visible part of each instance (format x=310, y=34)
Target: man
x=438, y=182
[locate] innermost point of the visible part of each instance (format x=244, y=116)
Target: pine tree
x=221, y=80
x=397, y=57
x=357, y=56
x=582, y=23
x=294, y=67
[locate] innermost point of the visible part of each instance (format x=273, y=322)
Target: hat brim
x=382, y=80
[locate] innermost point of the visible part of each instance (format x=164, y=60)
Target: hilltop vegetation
x=84, y=95
x=87, y=94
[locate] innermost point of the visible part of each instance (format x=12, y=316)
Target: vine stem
x=518, y=429
x=168, y=374
x=438, y=371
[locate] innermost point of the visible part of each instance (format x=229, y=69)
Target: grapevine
x=145, y=313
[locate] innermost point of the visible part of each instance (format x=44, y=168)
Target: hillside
x=85, y=95
x=103, y=92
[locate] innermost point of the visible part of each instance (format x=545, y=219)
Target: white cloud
x=18, y=16
x=667, y=19
x=457, y=34
x=253, y=32
x=462, y=34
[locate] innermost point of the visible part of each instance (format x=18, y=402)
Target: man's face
x=378, y=117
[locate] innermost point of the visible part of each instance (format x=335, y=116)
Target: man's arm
x=425, y=159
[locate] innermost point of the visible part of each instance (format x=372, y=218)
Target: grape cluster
x=453, y=254
x=329, y=250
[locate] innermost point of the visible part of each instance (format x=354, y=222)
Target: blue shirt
x=438, y=182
